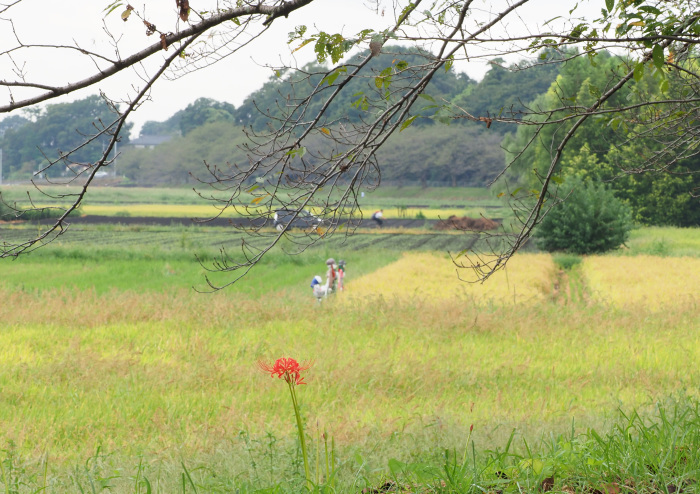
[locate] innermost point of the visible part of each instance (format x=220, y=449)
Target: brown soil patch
x=466, y=223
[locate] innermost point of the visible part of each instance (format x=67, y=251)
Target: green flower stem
x=300, y=427
x=466, y=447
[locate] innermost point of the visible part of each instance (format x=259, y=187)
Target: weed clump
x=567, y=261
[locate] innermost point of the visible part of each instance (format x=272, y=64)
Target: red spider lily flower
x=286, y=368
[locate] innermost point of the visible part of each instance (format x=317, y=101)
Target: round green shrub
x=591, y=220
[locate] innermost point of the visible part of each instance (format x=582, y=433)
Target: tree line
x=40, y=136
x=435, y=149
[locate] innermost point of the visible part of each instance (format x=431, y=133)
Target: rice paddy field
x=117, y=376
x=397, y=203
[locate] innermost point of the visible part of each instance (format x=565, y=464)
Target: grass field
x=427, y=277
x=664, y=242
x=113, y=370
x=618, y=281
x=208, y=211
x=404, y=203
x=383, y=196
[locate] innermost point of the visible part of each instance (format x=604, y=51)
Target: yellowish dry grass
x=428, y=213
x=171, y=374
x=655, y=283
x=432, y=277
x=207, y=210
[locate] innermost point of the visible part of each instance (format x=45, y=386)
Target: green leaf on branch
x=112, y=7
x=578, y=31
x=298, y=32
x=443, y=119
x=407, y=122
x=361, y=102
x=449, y=63
x=298, y=152
x=638, y=71
x=406, y=10
x=330, y=78
x=383, y=80
x=657, y=55
x=302, y=45
x=610, y=4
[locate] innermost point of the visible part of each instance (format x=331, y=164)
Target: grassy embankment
x=125, y=358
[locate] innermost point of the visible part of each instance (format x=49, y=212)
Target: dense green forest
x=614, y=150
x=30, y=140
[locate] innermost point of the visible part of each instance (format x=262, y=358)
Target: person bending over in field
x=378, y=216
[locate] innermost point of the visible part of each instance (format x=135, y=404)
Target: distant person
x=378, y=216
x=320, y=291
x=331, y=275
x=341, y=274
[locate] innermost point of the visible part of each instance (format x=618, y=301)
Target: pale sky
x=231, y=79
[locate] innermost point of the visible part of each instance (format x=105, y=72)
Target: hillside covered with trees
x=428, y=152
x=44, y=135
x=214, y=132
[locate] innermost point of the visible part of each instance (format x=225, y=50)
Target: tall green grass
x=185, y=195
x=103, y=195
x=141, y=269
x=664, y=241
